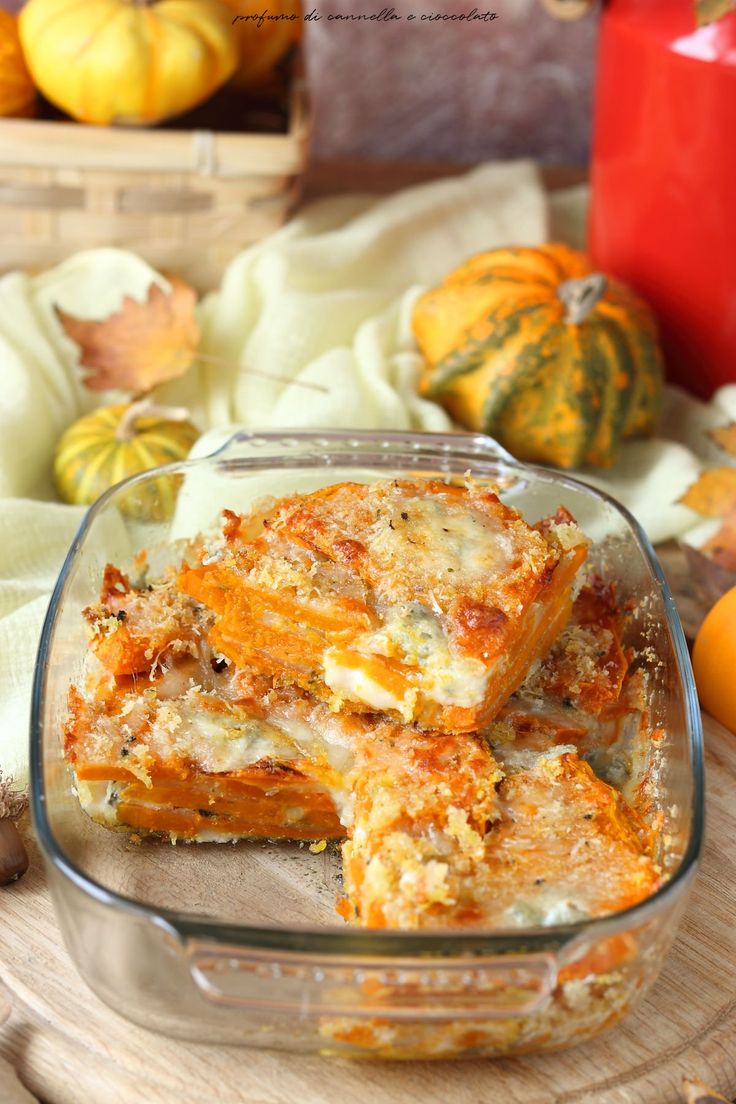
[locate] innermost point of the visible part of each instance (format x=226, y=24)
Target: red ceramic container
x=663, y=214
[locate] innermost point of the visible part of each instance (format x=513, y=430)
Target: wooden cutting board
x=69, y=1048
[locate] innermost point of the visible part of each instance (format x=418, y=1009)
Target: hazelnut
x=13, y=855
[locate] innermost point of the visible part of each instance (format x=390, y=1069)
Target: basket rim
x=34, y=143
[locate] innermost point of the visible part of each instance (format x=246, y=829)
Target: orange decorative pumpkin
x=559, y=363
x=265, y=34
x=133, y=62
x=17, y=91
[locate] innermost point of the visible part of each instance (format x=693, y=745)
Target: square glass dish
x=241, y=943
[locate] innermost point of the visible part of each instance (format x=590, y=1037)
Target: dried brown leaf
x=721, y=547
x=708, y=578
x=725, y=437
x=695, y=1092
x=140, y=345
x=713, y=494
x=707, y=11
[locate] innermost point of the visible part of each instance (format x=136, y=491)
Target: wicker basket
x=185, y=200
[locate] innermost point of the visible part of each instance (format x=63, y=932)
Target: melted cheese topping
x=553, y=845
x=355, y=684
x=413, y=635
x=566, y=846
x=427, y=539
x=213, y=734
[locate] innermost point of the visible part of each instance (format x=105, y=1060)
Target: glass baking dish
x=241, y=943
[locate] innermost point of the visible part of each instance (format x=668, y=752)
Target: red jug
x=663, y=205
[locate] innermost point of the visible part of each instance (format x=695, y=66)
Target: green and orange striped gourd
x=558, y=363
x=114, y=442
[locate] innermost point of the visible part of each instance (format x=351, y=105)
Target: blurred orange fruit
x=714, y=661
x=17, y=91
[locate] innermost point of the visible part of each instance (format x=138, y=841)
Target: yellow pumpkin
x=127, y=61
x=558, y=363
x=17, y=90
x=114, y=442
x=262, y=43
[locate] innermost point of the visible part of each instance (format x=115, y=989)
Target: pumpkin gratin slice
x=202, y=766
x=444, y=835
x=426, y=601
x=166, y=736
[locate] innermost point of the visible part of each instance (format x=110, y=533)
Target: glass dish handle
x=504, y=987
x=246, y=444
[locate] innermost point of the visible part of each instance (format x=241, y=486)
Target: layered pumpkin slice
x=512, y=827
x=165, y=736
x=426, y=601
x=422, y=811
x=201, y=767
x=558, y=847
x=581, y=692
x=446, y=835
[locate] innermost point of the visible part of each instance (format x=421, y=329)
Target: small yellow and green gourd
x=115, y=442
x=557, y=362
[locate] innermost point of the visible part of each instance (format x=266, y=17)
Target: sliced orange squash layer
x=425, y=601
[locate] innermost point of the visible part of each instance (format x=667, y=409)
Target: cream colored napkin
x=327, y=300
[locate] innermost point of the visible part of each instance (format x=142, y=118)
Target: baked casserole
x=407, y=664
